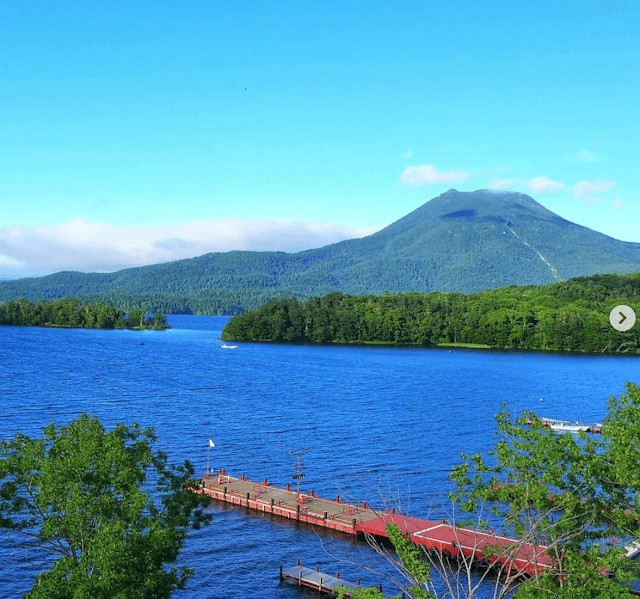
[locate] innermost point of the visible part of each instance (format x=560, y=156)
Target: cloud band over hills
x=99, y=247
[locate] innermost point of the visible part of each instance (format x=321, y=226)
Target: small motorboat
x=567, y=426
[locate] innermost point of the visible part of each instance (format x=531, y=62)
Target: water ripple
x=380, y=424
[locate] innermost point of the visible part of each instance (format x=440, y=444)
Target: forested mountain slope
x=459, y=241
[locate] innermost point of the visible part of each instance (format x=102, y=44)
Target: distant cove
x=572, y=316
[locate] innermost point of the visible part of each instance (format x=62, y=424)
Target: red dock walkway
x=457, y=542
x=439, y=537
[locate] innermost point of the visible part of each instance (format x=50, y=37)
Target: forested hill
x=459, y=241
x=569, y=316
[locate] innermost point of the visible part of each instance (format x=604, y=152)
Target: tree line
x=75, y=314
x=201, y=301
x=569, y=316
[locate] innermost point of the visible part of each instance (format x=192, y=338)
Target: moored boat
x=567, y=426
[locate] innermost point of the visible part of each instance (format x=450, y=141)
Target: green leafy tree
x=82, y=494
x=159, y=321
x=135, y=319
x=576, y=495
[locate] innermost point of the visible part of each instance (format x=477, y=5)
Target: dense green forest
x=202, y=301
x=569, y=316
x=463, y=242
x=75, y=314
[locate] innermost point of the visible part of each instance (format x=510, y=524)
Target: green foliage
x=577, y=495
x=75, y=314
x=570, y=316
x=412, y=560
x=80, y=494
x=415, y=568
x=457, y=242
x=363, y=593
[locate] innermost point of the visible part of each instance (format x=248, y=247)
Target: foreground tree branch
x=80, y=494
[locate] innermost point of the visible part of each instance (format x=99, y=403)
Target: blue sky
x=145, y=132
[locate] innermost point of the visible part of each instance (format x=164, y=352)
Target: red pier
x=440, y=538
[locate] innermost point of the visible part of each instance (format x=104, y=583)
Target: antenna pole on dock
x=299, y=474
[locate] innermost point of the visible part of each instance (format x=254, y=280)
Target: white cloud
x=587, y=191
x=501, y=184
x=427, y=174
x=618, y=203
x=538, y=185
x=6, y=263
x=544, y=185
x=586, y=156
x=99, y=247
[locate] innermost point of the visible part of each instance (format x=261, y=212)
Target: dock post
x=298, y=511
x=281, y=577
x=272, y=502
x=298, y=562
x=326, y=515
x=248, y=497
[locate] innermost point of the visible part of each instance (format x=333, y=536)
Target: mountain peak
x=482, y=204
x=463, y=241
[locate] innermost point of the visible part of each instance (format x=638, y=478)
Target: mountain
x=459, y=241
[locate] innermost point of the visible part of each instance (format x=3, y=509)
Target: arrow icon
x=622, y=318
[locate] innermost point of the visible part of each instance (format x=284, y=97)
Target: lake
x=380, y=424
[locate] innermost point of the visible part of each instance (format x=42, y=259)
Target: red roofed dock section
x=455, y=541
x=440, y=537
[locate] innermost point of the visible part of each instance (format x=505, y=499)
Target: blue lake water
x=379, y=424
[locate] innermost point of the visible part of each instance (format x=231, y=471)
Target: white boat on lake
x=568, y=426
x=224, y=346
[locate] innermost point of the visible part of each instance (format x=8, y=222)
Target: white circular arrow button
x=622, y=318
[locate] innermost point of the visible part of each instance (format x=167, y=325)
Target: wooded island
x=569, y=316
x=71, y=313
